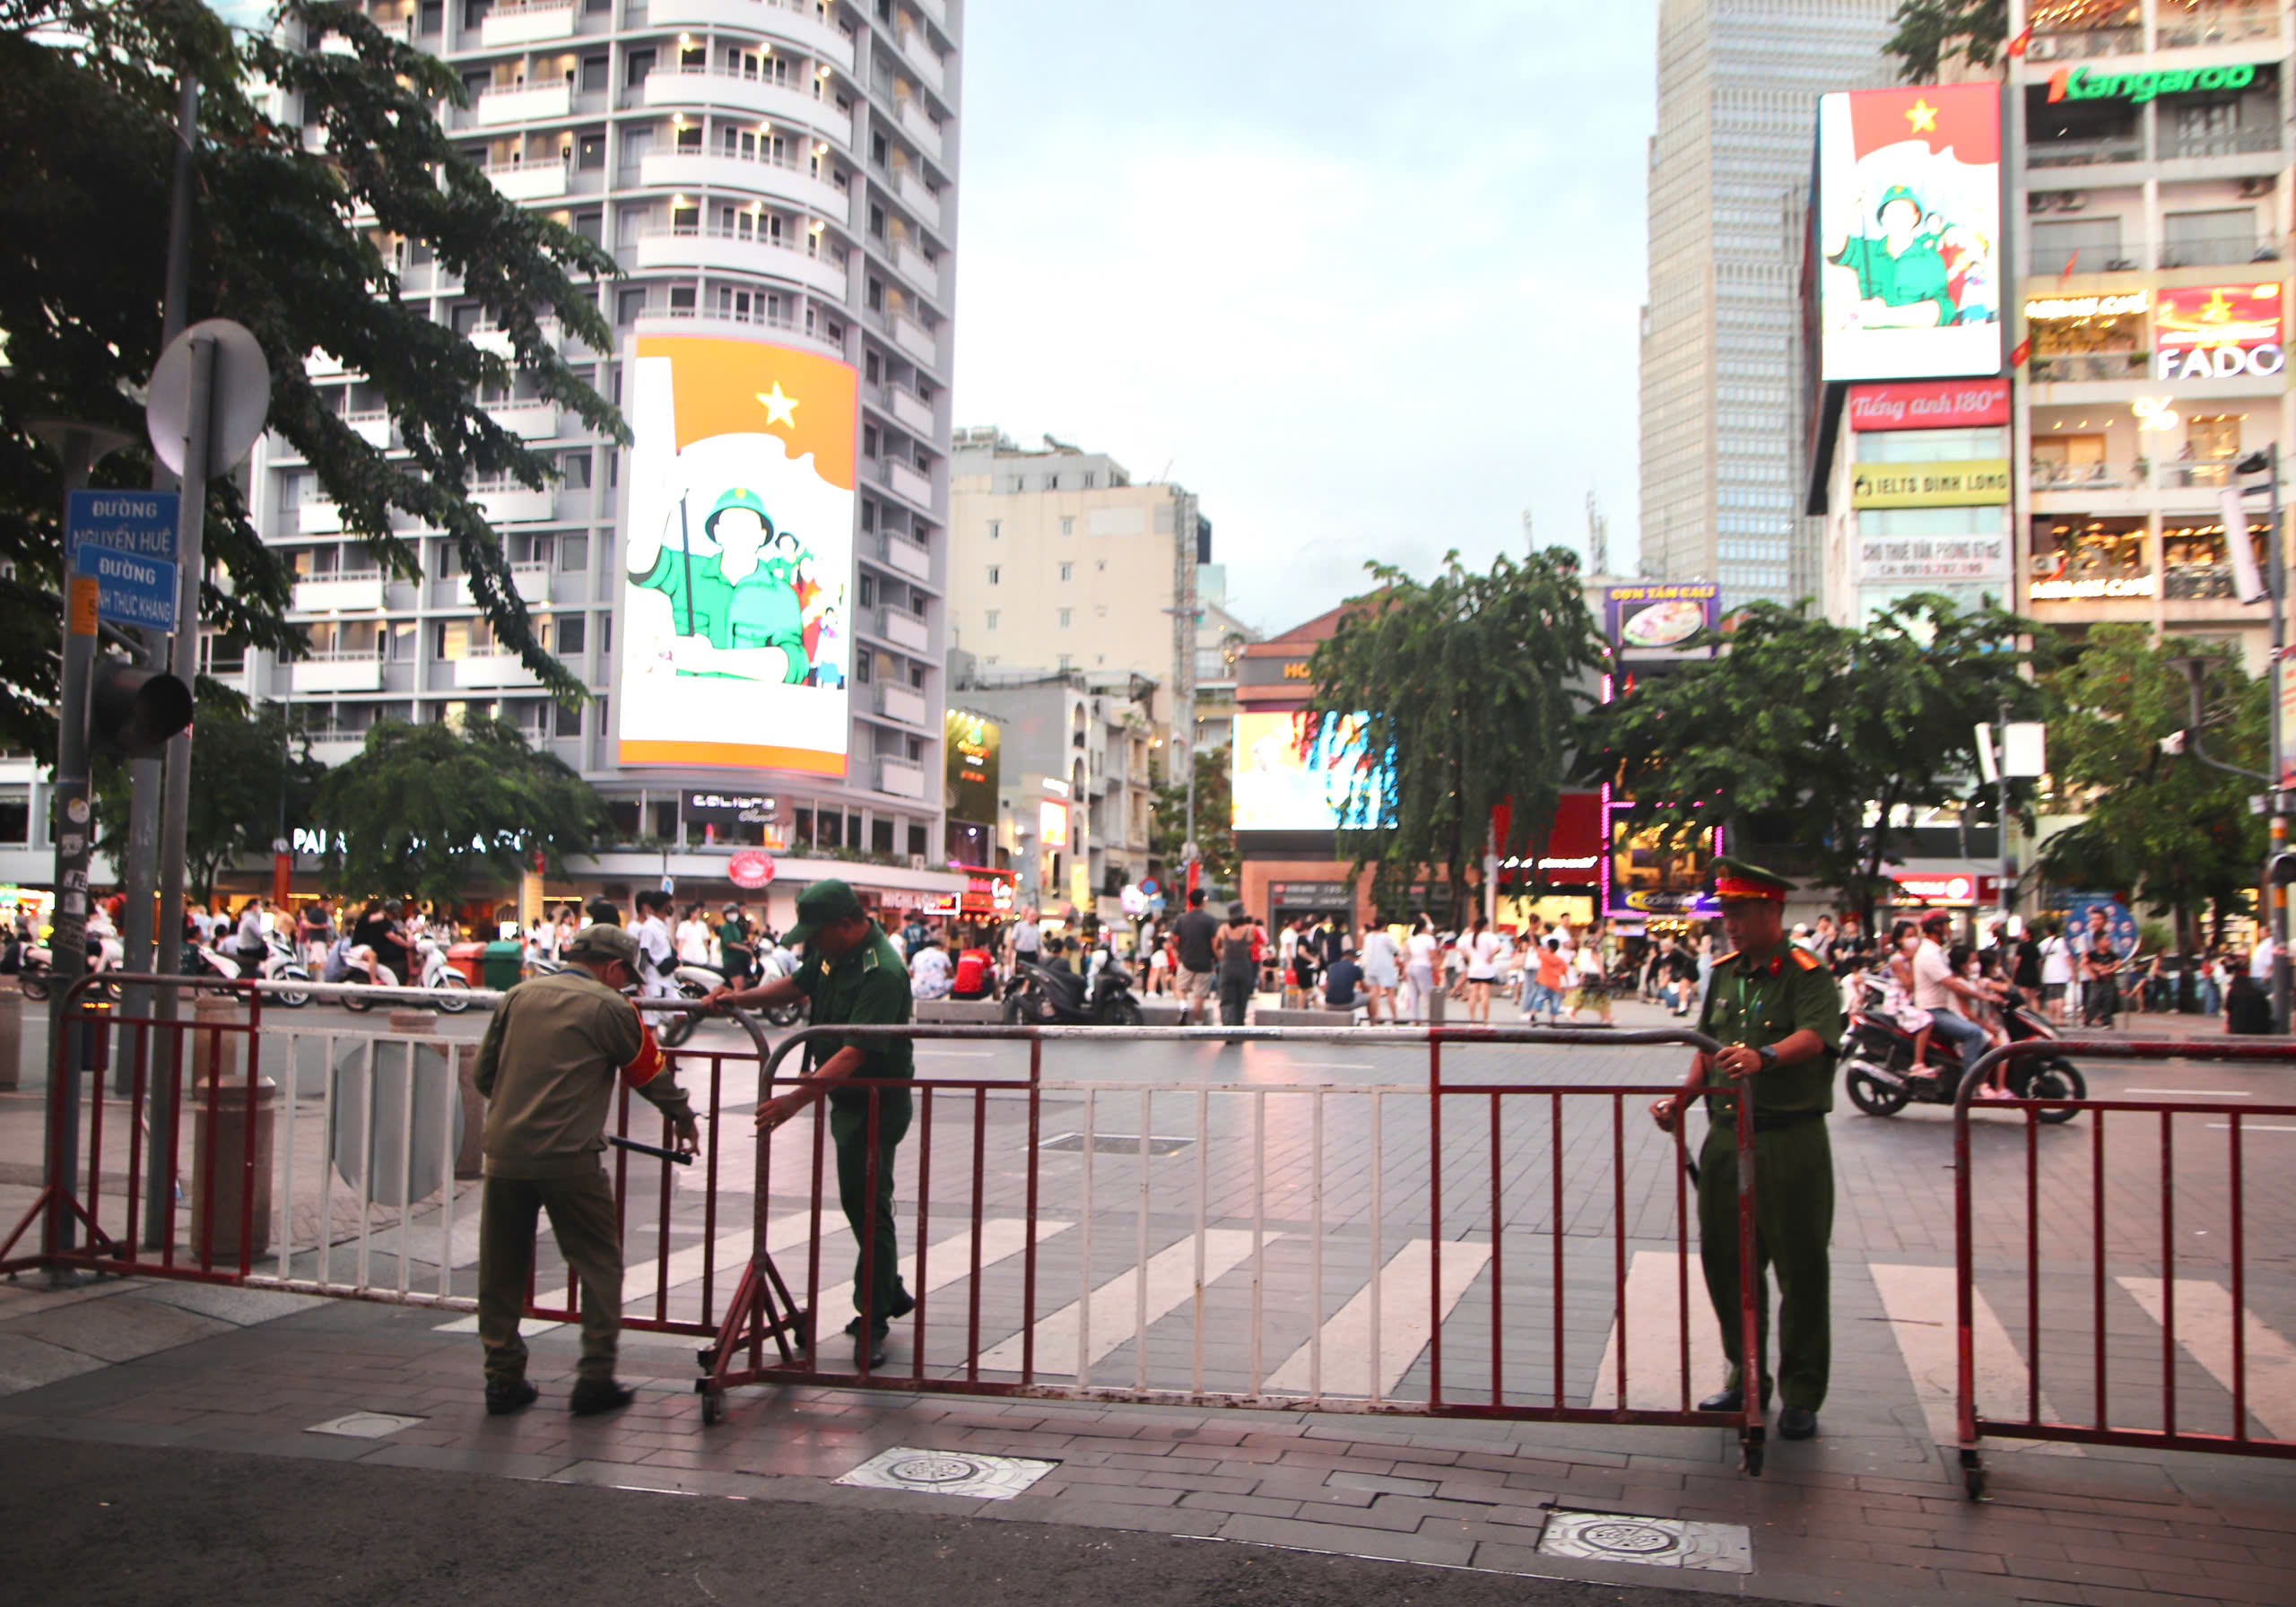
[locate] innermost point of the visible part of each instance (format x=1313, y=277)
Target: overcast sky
x=1367, y=277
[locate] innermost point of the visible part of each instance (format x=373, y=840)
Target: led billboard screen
x=1909, y=232
x=1646, y=876
x=2218, y=332
x=1655, y=619
x=1297, y=772
x=735, y=630
x=974, y=745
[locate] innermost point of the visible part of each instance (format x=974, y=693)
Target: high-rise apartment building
x=771, y=172
x=1738, y=82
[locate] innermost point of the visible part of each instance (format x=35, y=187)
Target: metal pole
x=67, y=943
x=2271, y=911
x=2001, y=806
x=175, y=804
x=146, y=780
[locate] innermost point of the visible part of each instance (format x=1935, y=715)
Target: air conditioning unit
x=2072, y=200
x=2039, y=200
x=916, y=862
x=2256, y=185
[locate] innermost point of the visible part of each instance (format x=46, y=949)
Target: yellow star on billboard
x=1922, y=116
x=780, y=408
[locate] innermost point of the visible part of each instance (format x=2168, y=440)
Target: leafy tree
x=437, y=810
x=88, y=94
x=2172, y=830
x=1472, y=686
x=1216, y=838
x=1830, y=730
x=250, y=770
x=1930, y=30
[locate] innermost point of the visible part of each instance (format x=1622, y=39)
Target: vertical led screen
x=1909, y=232
x=735, y=630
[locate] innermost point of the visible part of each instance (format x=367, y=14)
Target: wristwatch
x=1769, y=1053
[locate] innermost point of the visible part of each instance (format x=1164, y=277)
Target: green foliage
x=2176, y=832
x=1215, y=839
x=1832, y=729
x=1473, y=684
x=250, y=772
x=88, y=92
x=1929, y=30
x=437, y=811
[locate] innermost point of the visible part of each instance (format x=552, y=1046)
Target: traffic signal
x=131, y=713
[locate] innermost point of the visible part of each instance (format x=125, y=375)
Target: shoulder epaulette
x=1725, y=959
x=1807, y=960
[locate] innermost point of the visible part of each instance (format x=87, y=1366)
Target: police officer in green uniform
x=1777, y=1013
x=854, y=976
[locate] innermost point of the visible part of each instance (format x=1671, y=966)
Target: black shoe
x=504, y=1399
x=868, y=1351
x=1797, y=1423
x=592, y=1396
x=1728, y=1400
x=903, y=1305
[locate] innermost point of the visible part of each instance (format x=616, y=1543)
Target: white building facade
x=773, y=171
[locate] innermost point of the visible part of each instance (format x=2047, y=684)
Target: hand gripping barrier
x=1201, y=1270
x=2123, y=1280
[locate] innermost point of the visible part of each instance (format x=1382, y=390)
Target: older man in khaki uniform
x=547, y=1069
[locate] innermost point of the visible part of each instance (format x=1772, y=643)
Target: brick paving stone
x=1251, y=1505
x=1348, y=1540
x=1378, y=1483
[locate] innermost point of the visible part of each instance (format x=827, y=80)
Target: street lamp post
x=2271, y=911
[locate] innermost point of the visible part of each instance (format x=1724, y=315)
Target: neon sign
x=2079, y=84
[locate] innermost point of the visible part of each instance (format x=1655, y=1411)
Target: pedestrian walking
x=1239, y=966
x=1778, y=1015
x=1194, y=934
x=547, y=1069
x=1381, y=971
x=853, y=974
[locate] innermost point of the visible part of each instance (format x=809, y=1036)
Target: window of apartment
x=688, y=138
x=866, y=593
x=1090, y=480
x=591, y=225
x=566, y=719
x=996, y=575
x=570, y=635
x=2195, y=240
x=628, y=305
x=991, y=618
x=1068, y=571
x=996, y=530
x=1067, y=526
x=637, y=64
x=1067, y=662
x=1065, y=614
x=876, y=221
x=881, y=835
x=596, y=70
x=877, y=149
x=1052, y=483
x=876, y=296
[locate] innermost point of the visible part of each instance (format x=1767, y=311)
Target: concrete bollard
x=221, y=1134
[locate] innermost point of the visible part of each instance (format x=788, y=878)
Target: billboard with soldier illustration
x=735, y=632
x=1909, y=235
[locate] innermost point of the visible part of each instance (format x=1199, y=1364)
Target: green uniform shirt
x=869, y=988
x=1758, y=1005
x=547, y=1069
x=1917, y=275
x=761, y=610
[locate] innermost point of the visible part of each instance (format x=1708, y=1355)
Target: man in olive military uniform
x=547, y=1069
x=853, y=974
x=1777, y=1012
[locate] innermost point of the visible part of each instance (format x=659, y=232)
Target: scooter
x=1039, y=996
x=1880, y=1077
x=450, y=984
x=279, y=964
x=36, y=969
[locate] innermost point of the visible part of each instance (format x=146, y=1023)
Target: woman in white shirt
x=1482, y=946
x=693, y=938
x=1419, y=968
x=2056, y=974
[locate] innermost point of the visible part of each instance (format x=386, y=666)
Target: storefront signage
x=2080, y=84
x=2051, y=310
x=1898, y=559
x=1301, y=894
x=2118, y=586
x=988, y=892
x=1656, y=621
x=1574, y=843
x=1052, y=824
x=751, y=870
x=730, y=809
x=1946, y=405
x=972, y=770
x=1952, y=888
x=2218, y=332
x=1982, y=483
x=1297, y=670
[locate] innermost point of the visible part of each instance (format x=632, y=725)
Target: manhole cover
x=1654, y=1541
x=1115, y=1143
x=948, y=1473
x=365, y=1425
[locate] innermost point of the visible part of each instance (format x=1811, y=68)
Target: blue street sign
x=129, y=590
x=140, y=524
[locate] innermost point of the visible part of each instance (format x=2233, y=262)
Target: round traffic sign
x=238, y=395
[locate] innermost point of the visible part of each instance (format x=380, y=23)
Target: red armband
x=646, y=1064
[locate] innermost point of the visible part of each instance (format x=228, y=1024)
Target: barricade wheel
x=713, y=1407
x=1973, y=1475
x=1754, y=1451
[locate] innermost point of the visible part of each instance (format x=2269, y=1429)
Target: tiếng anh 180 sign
x=2225, y=332
x=1936, y=404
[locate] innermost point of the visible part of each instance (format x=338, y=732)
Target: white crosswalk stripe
x=1171, y=1280
x=1923, y=1313
x=1653, y=1331
x=2204, y=1332
x=1350, y=1364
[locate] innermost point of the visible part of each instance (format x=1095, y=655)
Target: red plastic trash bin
x=470, y=959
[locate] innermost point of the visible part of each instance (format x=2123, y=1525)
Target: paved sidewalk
x=1871, y=1511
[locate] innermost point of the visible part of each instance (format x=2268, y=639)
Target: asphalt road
x=94, y=1524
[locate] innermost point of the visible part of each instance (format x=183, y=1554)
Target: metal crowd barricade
x=2156, y=1263
x=366, y=1198
x=1179, y=1263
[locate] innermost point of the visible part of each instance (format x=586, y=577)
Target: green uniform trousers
x=582, y=1220
x=1793, y=1224
x=876, y=1271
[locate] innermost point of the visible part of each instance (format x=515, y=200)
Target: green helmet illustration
x=1895, y=193
x=739, y=497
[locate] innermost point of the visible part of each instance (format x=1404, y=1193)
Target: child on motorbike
x=1897, y=991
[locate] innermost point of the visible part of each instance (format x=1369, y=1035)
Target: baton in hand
x=631, y=1144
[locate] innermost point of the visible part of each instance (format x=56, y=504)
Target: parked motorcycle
x=1041, y=996
x=1880, y=1077
x=36, y=970
x=279, y=964
x=439, y=976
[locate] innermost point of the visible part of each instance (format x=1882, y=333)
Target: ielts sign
x=1941, y=404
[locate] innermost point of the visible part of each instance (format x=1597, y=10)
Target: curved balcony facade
x=744, y=176
x=792, y=23
x=715, y=249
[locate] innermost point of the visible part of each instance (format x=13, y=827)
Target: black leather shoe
x=595, y=1395
x=1728, y=1400
x=1797, y=1423
x=868, y=1351
x=504, y=1399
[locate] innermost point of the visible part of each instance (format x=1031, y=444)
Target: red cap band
x=1733, y=887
